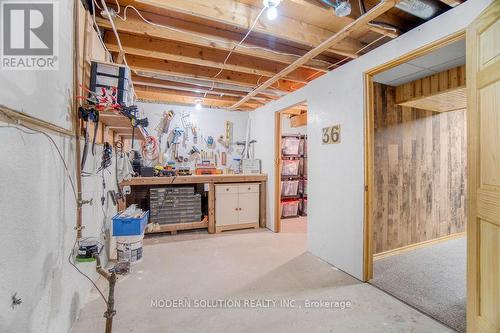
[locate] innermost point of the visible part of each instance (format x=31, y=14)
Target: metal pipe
x=111, y=278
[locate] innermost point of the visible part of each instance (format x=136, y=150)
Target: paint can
x=129, y=249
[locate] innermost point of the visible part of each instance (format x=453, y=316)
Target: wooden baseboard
x=236, y=226
x=415, y=246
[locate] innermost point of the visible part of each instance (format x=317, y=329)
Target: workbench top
x=195, y=179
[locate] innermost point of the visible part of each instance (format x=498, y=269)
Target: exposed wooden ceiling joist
x=146, y=81
x=207, y=84
x=203, y=97
x=194, y=55
x=382, y=7
x=145, y=64
x=240, y=15
x=166, y=96
x=135, y=25
x=452, y=3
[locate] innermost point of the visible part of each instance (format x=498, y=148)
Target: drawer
x=226, y=189
x=248, y=188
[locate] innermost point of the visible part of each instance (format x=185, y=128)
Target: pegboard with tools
x=179, y=145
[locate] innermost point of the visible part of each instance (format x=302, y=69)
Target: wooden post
x=211, y=208
x=263, y=204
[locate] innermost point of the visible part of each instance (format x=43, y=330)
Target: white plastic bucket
x=129, y=249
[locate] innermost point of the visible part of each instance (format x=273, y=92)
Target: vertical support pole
x=76, y=120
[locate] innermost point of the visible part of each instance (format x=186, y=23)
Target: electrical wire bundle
x=150, y=148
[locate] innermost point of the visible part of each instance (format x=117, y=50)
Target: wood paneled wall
x=419, y=172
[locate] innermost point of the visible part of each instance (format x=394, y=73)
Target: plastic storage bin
x=290, y=145
x=289, y=187
x=289, y=208
x=129, y=226
x=290, y=168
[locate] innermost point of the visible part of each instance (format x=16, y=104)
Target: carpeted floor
x=432, y=279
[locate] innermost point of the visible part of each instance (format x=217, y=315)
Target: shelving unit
x=120, y=125
x=293, y=176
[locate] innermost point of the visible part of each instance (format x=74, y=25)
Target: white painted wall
x=38, y=214
x=209, y=122
x=37, y=205
x=29, y=91
x=336, y=172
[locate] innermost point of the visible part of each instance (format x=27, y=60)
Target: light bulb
x=342, y=8
x=112, y=13
x=197, y=104
x=272, y=13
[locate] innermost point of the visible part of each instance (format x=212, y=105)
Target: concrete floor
x=256, y=265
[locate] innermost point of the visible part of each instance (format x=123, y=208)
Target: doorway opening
x=291, y=170
x=417, y=177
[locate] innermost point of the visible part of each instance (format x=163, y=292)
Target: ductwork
x=424, y=9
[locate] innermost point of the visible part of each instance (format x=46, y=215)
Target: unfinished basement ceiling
x=449, y=56
x=180, y=58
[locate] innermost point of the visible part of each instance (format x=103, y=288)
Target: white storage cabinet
x=236, y=206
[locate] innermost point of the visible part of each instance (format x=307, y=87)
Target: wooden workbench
x=211, y=180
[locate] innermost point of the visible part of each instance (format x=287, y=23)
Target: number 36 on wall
x=331, y=135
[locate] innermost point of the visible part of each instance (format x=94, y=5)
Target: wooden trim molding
x=419, y=245
x=18, y=118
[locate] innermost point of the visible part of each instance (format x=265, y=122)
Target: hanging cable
x=51, y=140
x=241, y=42
x=94, y=4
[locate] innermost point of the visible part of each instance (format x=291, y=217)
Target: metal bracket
x=82, y=202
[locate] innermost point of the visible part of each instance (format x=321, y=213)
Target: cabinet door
x=248, y=204
x=226, y=209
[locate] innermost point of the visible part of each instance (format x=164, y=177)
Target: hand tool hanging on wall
x=194, y=153
x=186, y=123
x=164, y=124
x=245, y=153
x=194, y=131
x=88, y=115
x=150, y=150
x=132, y=113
